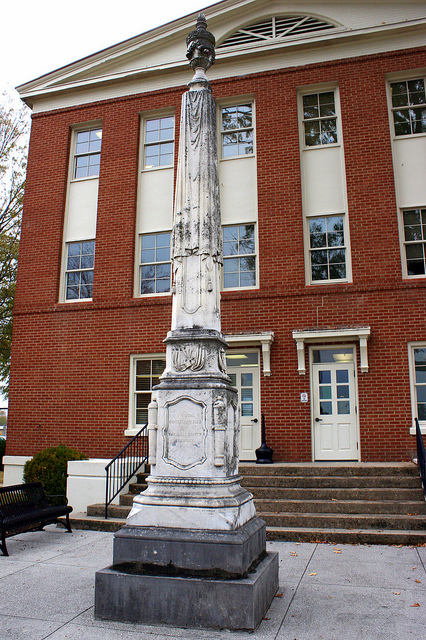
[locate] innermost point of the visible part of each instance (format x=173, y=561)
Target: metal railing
x=421, y=456
x=125, y=464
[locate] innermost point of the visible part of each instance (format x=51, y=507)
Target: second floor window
x=155, y=267
x=159, y=142
x=237, y=130
x=319, y=119
x=409, y=107
x=79, y=270
x=87, y=157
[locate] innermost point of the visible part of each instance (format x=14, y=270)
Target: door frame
x=240, y=350
x=334, y=345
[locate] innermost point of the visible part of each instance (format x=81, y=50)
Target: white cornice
x=161, y=52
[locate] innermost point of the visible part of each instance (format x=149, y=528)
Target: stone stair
x=364, y=503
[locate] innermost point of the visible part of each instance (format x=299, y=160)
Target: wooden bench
x=25, y=507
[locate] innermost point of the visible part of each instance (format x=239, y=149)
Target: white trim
x=132, y=428
x=356, y=397
x=413, y=394
x=264, y=339
x=311, y=336
x=337, y=211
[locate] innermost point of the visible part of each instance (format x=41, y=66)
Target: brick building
x=321, y=112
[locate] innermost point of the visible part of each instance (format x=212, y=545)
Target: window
x=237, y=130
x=146, y=375
x=415, y=240
x=409, y=107
x=417, y=354
x=155, y=267
x=239, y=256
x=327, y=248
x=275, y=28
x=319, y=119
x=79, y=270
x=159, y=142
x=87, y=157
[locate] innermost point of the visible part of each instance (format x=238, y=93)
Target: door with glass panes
x=243, y=369
x=335, y=430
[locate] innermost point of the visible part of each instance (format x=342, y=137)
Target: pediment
x=243, y=29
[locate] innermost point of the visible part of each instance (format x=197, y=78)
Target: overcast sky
x=43, y=35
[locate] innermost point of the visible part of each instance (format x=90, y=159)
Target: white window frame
x=150, y=116
x=81, y=270
x=403, y=76
x=318, y=89
x=154, y=263
x=405, y=243
x=308, y=250
x=133, y=428
x=256, y=256
x=235, y=102
x=81, y=128
x=413, y=392
x=337, y=116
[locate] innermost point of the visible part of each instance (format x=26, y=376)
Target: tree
x=14, y=132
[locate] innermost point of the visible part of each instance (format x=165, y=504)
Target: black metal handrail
x=124, y=465
x=421, y=456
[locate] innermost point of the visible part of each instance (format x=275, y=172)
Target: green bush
x=2, y=450
x=50, y=468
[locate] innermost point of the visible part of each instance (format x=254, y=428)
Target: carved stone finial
x=201, y=43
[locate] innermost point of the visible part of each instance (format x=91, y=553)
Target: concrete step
x=114, y=511
x=291, y=534
x=325, y=482
x=351, y=493
x=346, y=536
x=329, y=469
x=135, y=488
x=345, y=521
x=371, y=507
x=95, y=523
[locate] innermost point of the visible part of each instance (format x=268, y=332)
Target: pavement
x=327, y=592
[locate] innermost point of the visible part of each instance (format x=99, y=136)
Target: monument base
x=121, y=594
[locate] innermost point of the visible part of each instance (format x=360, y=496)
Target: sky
x=39, y=37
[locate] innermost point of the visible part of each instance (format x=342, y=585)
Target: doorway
x=334, y=410
x=243, y=369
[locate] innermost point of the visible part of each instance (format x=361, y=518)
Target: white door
x=335, y=429
x=244, y=374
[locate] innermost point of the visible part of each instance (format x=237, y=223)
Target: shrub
x=50, y=468
x=2, y=450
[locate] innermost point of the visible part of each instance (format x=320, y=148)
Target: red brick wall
x=70, y=362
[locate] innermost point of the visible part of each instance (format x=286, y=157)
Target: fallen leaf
x=312, y=574
x=418, y=581
x=416, y=604
x=298, y=544
x=266, y=618
x=336, y=551
x=278, y=595
x=396, y=593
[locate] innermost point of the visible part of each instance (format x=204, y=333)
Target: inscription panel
x=185, y=433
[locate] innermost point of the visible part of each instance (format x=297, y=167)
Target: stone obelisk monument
x=192, y=552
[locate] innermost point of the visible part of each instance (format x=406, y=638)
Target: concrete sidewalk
x=327, y=592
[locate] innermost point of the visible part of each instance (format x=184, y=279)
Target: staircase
x=358, y=503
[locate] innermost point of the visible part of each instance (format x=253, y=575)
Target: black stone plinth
x=187, y=601
x=225, y=553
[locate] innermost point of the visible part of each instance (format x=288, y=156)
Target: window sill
x=422, y=430
x=130, y=433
